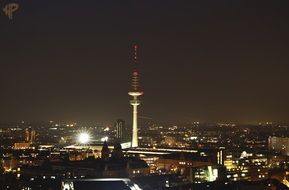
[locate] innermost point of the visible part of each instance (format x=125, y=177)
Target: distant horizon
x=141, y=123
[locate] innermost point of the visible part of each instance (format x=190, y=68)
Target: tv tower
x=135, y=92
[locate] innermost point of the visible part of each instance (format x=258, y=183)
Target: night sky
x=200, y=60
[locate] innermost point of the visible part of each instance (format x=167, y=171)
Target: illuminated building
x=135, y=93
x=248, y=166
x=27, y=135
x=220, y=156
x=120, y=129
x=279, y=145
x=181, y=162
x=22, y=145
x=30, y=135
x=94, y=168
x=276, y=160
x=207, y=174
x=105, y=183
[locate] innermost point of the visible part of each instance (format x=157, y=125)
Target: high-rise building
x=135, y=92
x=27, y=135
x=30, y=135
x=279, y=145
x=120, y=129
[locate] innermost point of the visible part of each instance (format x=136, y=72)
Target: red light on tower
x=135, y=55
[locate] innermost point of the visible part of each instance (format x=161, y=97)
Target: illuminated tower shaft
x=135, y=92
x=135, y=102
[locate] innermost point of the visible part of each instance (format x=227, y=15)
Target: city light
x=104, y=139
x=83, y=138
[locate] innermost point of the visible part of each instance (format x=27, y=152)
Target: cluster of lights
x=104, y=139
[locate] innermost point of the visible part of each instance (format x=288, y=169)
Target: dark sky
x=200, y=60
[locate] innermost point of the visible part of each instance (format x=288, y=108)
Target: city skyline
x=200, y=61
x=171, y=95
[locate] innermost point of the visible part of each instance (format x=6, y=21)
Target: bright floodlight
x=83, y=138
